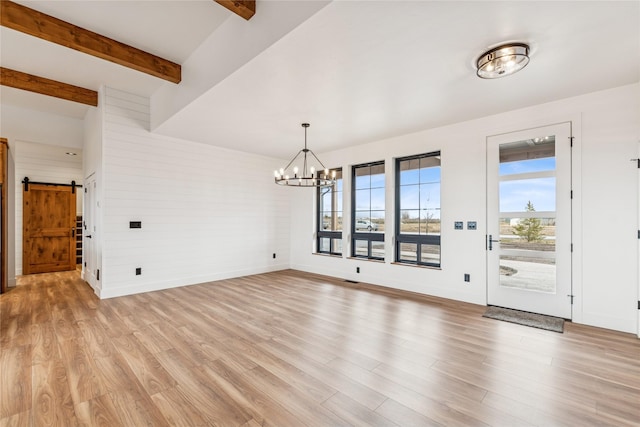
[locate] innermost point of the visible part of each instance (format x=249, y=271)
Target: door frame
x=574, y=267
x=89, y=251
x=4, y=212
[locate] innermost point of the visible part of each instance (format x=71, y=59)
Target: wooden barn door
x=49, y=221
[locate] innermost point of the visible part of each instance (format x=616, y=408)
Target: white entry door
x=89, y=230
x=529, y=220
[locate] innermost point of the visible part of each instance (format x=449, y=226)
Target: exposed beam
x=37, y=24
x=24, y=81
x=244, y=8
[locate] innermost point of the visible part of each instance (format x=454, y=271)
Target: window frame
x=417, y=239
x=367, y=236
x=321, y=233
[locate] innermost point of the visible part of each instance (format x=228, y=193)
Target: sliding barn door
x=49, y=221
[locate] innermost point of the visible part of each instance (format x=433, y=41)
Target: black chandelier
x=309, y=176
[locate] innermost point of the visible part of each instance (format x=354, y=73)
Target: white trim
x=194, y=280
x=525, y=214
x=528, y=175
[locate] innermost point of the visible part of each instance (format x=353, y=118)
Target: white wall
x=605, y=259
x=42, y=163
x=207, y=213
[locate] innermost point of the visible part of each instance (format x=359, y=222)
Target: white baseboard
x=187, y=281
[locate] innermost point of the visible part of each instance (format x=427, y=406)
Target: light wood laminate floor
x=294, y=349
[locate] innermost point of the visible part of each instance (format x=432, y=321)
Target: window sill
x=327, y=255
x=427, y=267
x=380, y=261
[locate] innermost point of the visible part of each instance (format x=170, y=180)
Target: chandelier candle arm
x=309, y=176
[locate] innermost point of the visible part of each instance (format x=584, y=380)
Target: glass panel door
x=529, y=214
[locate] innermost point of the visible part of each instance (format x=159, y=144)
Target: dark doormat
x=539, y=321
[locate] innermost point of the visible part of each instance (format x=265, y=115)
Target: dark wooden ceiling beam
x=38, y=24
x=244, y=8
x=24, y=81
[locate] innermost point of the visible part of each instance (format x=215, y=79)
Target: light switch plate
x=472, y=225
x=458, y=225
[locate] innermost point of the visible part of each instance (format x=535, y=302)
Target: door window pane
x=537, y=234
x=531, y=155
x=528, y=273
x=528, y=242
x=537, y=194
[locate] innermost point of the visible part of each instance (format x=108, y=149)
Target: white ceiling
x=62, y=156
x=358, y=71
x=169, y=29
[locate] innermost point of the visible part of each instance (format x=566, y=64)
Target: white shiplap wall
x=207, y=213
x=42, y=163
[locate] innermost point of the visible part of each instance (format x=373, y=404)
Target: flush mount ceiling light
x=503, y=60
x=310, y=175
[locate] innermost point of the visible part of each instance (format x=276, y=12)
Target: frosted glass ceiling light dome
x=503, y=60
x=309, y=175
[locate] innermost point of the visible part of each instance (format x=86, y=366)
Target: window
x=367, y=220
x=330, y=217
x=418, y=209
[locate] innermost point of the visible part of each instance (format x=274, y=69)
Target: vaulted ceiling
x=357, y=70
